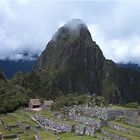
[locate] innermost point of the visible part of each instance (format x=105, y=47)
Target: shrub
x=132, y=105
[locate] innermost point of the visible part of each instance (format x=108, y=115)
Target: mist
x=29, y=25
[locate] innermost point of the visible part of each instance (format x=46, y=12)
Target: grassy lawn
x=121, y=133
x=126, y=126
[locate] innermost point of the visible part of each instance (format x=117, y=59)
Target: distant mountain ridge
x=11, y=67
x=132, y=66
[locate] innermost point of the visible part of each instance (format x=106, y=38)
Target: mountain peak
x=73, y=28
x=75, y=64
x=73, y=60
x=75, y=24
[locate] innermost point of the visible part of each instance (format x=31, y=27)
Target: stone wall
x=61, y=127
x=105, y=113
x=132, y=117
x=86, y=120
x=132, y=122
x=81, y=129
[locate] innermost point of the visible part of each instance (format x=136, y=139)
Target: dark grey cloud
x=27, y=25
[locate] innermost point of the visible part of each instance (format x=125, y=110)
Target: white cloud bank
x=27, y=25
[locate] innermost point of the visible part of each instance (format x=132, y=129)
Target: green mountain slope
x=11, y=96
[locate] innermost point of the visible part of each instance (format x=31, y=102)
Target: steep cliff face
x=129, y=84
x=111, y=79
x=73, y=60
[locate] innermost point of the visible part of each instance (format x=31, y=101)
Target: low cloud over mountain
x=28, y=25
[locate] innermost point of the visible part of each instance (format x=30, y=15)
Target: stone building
x=34, y=103
x=47, y=104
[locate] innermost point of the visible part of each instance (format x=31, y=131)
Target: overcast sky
x=27, y=25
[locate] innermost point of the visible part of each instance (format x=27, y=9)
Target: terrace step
x=117, y=135
x=132, y=130
x=101, y=136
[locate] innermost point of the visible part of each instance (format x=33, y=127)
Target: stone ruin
x=104, y=113
x=132, y=117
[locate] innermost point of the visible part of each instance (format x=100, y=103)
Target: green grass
x=126, y=126
x=70, y=136
x=16, y=129
x=24, y=116
x=8, y=119
x=29, y=136
x=5, y=132
x=46, y=135
x=47, y=114
x=117, y=107
x=121, y=133
x=13, y=118
x=95, y=118
x=101, y=136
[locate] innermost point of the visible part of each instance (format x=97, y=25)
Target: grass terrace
x=121, y=133
x=23, y=116
x=124, y=125
x=8, y=119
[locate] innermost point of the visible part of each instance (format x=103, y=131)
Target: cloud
x=27, y=25
x=73, y=26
